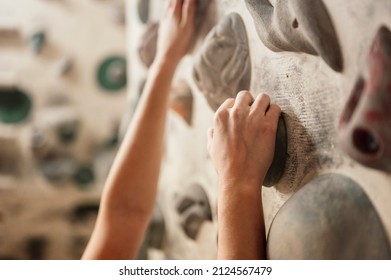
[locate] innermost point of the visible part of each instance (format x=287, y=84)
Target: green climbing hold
x=112, y=73
x=15, y=105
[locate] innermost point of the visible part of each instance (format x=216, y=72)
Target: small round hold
x=67, y=132
x=37, y=41
x=15, y=106
x=276, y=170
x=112, y=74
x=84, y=176
x=365, y=141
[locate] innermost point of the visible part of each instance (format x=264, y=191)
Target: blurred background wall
x=63, y=94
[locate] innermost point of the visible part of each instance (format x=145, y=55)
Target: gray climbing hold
x=297, y=26
x=194, y=209
x=329, y=218
x=143, y=10
x=223, y=67
x=37, y=41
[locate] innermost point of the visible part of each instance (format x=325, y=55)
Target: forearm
x=241, y=222
x=130, y=192
x=129, y=195
x=134, y=177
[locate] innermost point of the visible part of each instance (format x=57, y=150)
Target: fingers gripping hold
x=244, y=100
x=261, y=104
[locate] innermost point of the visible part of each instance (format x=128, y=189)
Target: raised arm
x=129, y=195
x=241, y=145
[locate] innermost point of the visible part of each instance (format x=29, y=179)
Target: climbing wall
x=64, y=106
x=62, y=100
x=321, y=61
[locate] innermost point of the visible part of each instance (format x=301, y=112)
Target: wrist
x=239, y=191
x=167, y=60
x=241, y=182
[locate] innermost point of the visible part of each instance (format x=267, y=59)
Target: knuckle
x=245, y=94
x=275, y=108
x=265, y=98
x=242, y=92
x=230, y=100
x=221, y=116
x=236, y=115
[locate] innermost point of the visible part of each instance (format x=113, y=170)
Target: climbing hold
x=276, y=170
x=15, y=105
x=223, y=66
x=37, y=41
x=67, y=132
x=297, y=26
x=84, y=176
x=330, y=218
x=194, y=209
x=143, y=10
x=111, y=73
x=364, y=129
x=57, y=169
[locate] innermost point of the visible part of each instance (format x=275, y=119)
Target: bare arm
x=129, y=195
x=241, y=145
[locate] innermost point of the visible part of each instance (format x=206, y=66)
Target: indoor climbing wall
x=62, y=99
x=327, y=64
x=63, y=109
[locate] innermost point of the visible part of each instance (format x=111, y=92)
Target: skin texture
x=241, y=145
x=128, y=198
